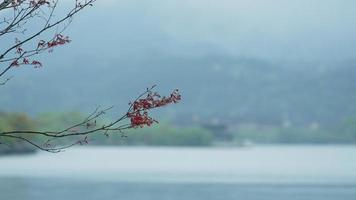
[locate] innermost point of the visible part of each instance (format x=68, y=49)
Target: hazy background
x=251, y=73
x=238, y=64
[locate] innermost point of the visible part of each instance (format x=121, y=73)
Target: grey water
x=143, y=173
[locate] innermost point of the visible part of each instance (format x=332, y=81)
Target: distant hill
x=213, y=86
x=234, y=61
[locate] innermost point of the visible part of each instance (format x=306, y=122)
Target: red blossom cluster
x=19, y=50
x=36, y=63
x=15, y=3
x=79, y=4
x=140, y=119
x=34, y=3
x=138, y=113
x=41, y=45
x=25, y=61
x=58, y=40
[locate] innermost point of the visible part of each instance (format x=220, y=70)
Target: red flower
x=41, y=44
x=19, y=50
x=138, y=114
x=15, y=64
x=34, y=3
x=58, y=40
x=26, y=61
x=36, y=63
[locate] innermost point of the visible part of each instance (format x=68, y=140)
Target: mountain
x=233, y=60
x=213, y=86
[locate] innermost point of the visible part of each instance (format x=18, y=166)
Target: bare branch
x=20, y=21
x=6, y=80
x=27, y=13
x=137, y=114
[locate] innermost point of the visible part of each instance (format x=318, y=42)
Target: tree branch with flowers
x=21, y=23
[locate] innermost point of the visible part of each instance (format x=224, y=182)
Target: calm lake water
x=253, y=173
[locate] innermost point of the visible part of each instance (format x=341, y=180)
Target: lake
x=157, y=173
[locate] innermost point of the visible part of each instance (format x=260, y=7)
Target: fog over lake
x=256, y=173
x=267, y=110
x=290, y=164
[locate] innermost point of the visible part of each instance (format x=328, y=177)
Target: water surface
x=264, y=172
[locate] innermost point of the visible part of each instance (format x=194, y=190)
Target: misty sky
x=279, y=29
x=121, y=46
